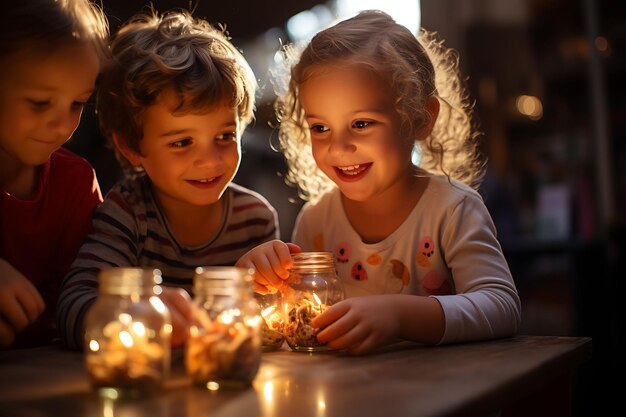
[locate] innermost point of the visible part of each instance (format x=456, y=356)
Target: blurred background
x=548, y=78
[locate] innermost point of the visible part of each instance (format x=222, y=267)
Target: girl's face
x=42, y=95
x=355, y=132
x=190, y=158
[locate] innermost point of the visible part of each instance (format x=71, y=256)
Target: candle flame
x=317, y=299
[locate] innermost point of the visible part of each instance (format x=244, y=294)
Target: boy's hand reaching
x=178, y=302
x=359, y=325
x=271, y=261
x=20, y=303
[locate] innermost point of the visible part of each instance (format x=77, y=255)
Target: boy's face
x=42, y=94
x=190, y=158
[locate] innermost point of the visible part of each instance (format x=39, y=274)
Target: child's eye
x=79, y=105
x=362, y=124
x=38, y=104
x=180, y=143
x=319, y=128
x=227, y=137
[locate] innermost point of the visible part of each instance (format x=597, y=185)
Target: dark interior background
x=556, y=185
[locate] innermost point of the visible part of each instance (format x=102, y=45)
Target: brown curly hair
x=414, y=68
x=154, y=54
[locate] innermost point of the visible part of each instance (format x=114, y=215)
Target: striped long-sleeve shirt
x=130, y=229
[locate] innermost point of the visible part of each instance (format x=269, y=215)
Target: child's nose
x=65, y=122
x=342, y=143
x=207, y=156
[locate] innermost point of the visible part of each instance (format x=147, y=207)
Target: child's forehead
x=180, y=103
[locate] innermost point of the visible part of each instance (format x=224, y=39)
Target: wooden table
x=404, y=379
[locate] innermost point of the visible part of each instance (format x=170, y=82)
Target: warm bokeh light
x=529, y=106
x=94, y=346
x=126, y=338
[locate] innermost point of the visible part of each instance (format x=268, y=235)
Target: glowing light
x=125, y=318
x=139, y=329
x=405, y=12
x=167, y=328
x=529, y=106
x=268, y=391
x=126, y=338
x=158, y=304
x=303, y=25
x=212, y=386
x=317, y=299
x=226, y=318
x=266, y=312
x=94, y=346
x=108, y=406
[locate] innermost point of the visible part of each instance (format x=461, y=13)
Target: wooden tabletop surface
x=404, y=379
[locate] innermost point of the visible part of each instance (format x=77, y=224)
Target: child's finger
x=180, y=328
x=7, y=334
x=180, y=301
x=262, y=289
x=265, y=271
x=31, y=302
x=293, y=248
x=13, y=313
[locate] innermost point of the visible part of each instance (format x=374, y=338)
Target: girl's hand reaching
x=359, y=325
x=271, y=261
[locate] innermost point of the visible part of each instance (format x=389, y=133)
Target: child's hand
x=271, y=261
x=358, y=325
x=178, y=302
x=20, y=303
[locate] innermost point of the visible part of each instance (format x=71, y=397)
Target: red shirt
x=40, y=236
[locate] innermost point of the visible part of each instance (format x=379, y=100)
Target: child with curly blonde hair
x=415, y=247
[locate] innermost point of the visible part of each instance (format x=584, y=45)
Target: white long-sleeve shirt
x=446, y=248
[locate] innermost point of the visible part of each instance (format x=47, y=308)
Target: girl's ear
x=133, y=157
x=432, y=107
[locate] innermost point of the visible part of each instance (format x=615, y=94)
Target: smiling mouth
x=353, y=170
x=202, y=182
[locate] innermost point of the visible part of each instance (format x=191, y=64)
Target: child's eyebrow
x=174, y=132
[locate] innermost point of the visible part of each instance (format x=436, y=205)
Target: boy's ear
x=432, y=107
x=126, y=152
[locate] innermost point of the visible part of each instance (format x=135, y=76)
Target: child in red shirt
x=50, y=55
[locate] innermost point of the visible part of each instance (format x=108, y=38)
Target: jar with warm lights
x=313, y=287
x=127, y=334
x=272, y=323
x=224, y=345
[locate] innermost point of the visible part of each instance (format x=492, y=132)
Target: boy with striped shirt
x=174, y=101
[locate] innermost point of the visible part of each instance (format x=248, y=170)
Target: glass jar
x=271, y=308
x=313, y=287
x=224, y=346
x=127, y=334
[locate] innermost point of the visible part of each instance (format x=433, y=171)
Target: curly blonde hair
x=154, y=54
x=414, y=68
